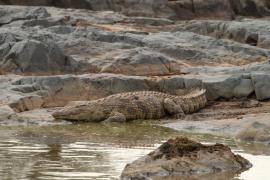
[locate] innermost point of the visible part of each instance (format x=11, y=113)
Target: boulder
x=27, y=103
x=255, y=131
x=228, y=87
x=244, y=88
x=254, y=32
x=31, y=56
x=221, y=86
x=9, y=15
x=6, y=112
x=182, y=158
x=261, y=84
x=141, y=62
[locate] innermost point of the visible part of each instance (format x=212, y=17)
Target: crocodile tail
x=194, y=101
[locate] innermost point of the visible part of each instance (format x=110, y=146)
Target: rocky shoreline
x=51, y=57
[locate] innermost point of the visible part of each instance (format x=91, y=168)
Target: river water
x=98, y=151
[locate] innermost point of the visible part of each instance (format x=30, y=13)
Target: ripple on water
x=80, y=160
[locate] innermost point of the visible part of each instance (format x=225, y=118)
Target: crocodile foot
x=116, y=117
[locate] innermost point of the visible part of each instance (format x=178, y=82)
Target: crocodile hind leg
x=173, y=109
x=116, y=117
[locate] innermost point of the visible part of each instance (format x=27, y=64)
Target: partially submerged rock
x=255, y=131
x=184, y=158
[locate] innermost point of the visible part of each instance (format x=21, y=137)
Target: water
x=97, y=151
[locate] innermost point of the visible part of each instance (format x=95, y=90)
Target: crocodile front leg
x=173, y=108
x=116, y=117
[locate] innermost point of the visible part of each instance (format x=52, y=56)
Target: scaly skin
x=134, y=105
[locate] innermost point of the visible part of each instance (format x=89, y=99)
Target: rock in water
x=255, y=131
x=182, y=158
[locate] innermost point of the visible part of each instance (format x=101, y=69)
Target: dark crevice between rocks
x=252, y=39
x=251, y=96
x=193, y=6
x=251, y=7
x=74, y=4
x=6, y=1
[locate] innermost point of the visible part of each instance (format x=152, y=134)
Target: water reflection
x=88, y=151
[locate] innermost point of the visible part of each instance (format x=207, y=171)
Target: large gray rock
x=140, y=62
x=30, y=56
x=8, y=15
x=27, y=103
x=6, y=112
x=244, y=88
x=228, y=87
x=261, y=82
x=254, y=32
x=244, y=69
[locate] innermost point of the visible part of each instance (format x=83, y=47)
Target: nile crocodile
x=134, y=105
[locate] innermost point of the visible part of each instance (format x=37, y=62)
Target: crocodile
x=134, y=105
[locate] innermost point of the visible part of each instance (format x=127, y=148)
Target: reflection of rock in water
x=80, y=147
x=32, y=161
x=123, y=135
x=30, y=152
x=256, y=131
x=17, y=159
x=51, y=156
x=54, y=152
x=254, y=148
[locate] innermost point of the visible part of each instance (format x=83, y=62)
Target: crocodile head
x=81, y=113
